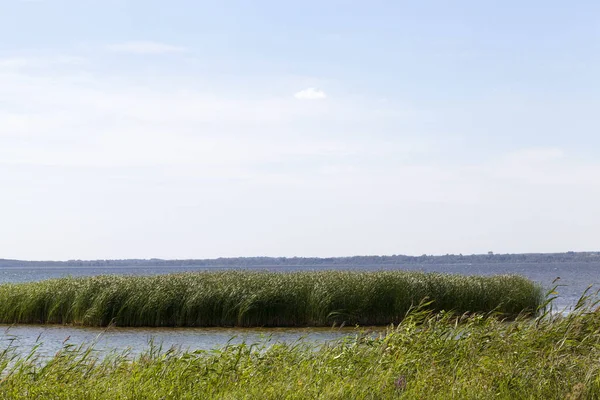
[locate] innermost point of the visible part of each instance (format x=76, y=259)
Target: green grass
x=261, y=298
x=427, y=356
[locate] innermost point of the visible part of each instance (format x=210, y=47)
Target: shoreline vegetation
x=426, y=356
x=263, y=299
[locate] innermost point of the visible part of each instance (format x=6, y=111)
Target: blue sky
x=206, y=129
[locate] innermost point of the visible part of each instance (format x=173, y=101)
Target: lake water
x=52, y=338
x=574, y=279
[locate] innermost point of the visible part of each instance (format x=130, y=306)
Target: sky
x=203, y=129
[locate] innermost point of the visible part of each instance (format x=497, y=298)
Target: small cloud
x=333, y=37
x=536, y=155
x=310, y=94
x=145, y=47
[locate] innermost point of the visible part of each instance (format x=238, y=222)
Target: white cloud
x=13, y=63
x=145, y=47
x=310, y=94
x=535, y=155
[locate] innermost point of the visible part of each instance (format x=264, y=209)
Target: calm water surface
x=52, y=338
x=574, y=279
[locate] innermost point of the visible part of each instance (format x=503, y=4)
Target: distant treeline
x=489, y=258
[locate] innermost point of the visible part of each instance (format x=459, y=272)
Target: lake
x=574, y=279
x=51, y=338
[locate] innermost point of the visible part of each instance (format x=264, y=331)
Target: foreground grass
x=261, y=298
x=427, y=356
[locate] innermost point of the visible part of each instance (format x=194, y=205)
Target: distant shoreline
x=456, y=259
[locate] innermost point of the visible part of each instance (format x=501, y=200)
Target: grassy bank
x=427, y=356
x=260, y=298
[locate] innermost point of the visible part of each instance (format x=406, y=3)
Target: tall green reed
x=242, y=298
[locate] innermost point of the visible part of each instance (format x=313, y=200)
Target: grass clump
x=427, y=356
x=241, y=298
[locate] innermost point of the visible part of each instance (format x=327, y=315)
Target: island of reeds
x=262, y=299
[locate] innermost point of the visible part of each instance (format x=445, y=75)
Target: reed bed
x=427, y=356
x=250, y=299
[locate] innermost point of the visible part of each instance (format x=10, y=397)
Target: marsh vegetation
x=245, y=299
